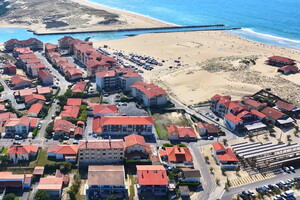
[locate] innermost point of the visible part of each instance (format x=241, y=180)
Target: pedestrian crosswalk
x=250, y=179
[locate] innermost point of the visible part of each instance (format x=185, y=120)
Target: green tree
x=111, y=197
x=41, y=195
x=289, y=137
x=10, y=196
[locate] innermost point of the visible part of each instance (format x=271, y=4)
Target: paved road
x=208, y=183
x=280, y=177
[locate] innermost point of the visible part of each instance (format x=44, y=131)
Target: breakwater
x=154, y=29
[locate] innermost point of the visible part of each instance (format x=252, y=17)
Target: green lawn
x=42, y=159
x=4, y=150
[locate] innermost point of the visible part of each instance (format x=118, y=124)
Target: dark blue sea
x=275, y=22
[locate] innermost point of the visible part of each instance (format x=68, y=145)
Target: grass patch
x=42, y=158
x=4, y=150
x=131, y=188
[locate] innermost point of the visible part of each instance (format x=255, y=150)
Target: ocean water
x=275, y=22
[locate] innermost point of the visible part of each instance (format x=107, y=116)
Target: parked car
x=16, y=143
x=292, y=169
x=75, y=142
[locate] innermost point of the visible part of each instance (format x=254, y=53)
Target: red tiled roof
x=28, y=56
x=33, y=61
x=22, y=149
x=74, y=72
x=65, y=38
x=26, y=92
x=291, y=68
x=49, y=46
x=101, y=144
x=217, y=97
x=79, y=87
x=152, y=175
x=38, y=170
x=280, y=58
x=227, y=155
x=218, y=146
x=78, y=131
x=178, y=154
x=38, y=66
x=70, y=111
x=34, y=122
x=74, y=102
x=259, y=114
x=34, y=96
x=64, y=149
x=28, y=41
x=134, y=139
x=273, y=113
x=253, y=103
x=285, y=106
x=7, y=115
x=103, y=74
x=22, y=50
x=35, y=108
x=44, y=90
x=18, y=121
x=9, y=65
x=182, y=131
x=63, y=125
x=211, y=128
x=54, y=54
x=44, y=74
x=103, y=108
x=232, y=118
x=150, y=90
x=18, y=79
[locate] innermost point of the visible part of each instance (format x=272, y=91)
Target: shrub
x=181, y=145
x=167, y=145
x=41, y=195
x=10, y=196
x=188, y=184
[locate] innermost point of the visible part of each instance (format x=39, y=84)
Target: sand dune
x=193, y=81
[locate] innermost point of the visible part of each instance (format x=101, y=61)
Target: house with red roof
x=63, y=128
x=44, y=90
x=74, y=101
x=73, y=74
x=92, y=59
x=104, y=151
x=205, y=129
x=136, y=148
x=34, y=69
x=181, y=133
x=78, y=133
x=289, y=108
x=45, y=76
x=50, y=48
x=177, y=155
x=123, y=125
x=79, y=87
x=99, y=110
x=21, y=50
x=64, y=43
x=9, y=68
x=149, y=93
x=70, y=112
x=19, y=82
x=34, y=110
x=33, y=43
x=278, y=118
x=18, y=153
x=34, y=98
x=253, y=104
x=117, y=78
x=152, y=178
x=52, y=55
x=63, y=152
x=20, y=126
x=53, y=185
x=288, y=69
x=224, y=156
x=15, y=181
x=280, y=61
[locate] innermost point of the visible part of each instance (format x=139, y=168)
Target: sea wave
x=273, y=38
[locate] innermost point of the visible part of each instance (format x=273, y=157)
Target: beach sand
x=210, y=64
x=59, y=16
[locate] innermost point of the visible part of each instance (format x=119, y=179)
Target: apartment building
x=100, y=151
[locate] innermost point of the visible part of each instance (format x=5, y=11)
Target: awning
x=255, y=126
x=285, y=121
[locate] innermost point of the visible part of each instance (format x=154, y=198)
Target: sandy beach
x=59, y=16
x=211, y=62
